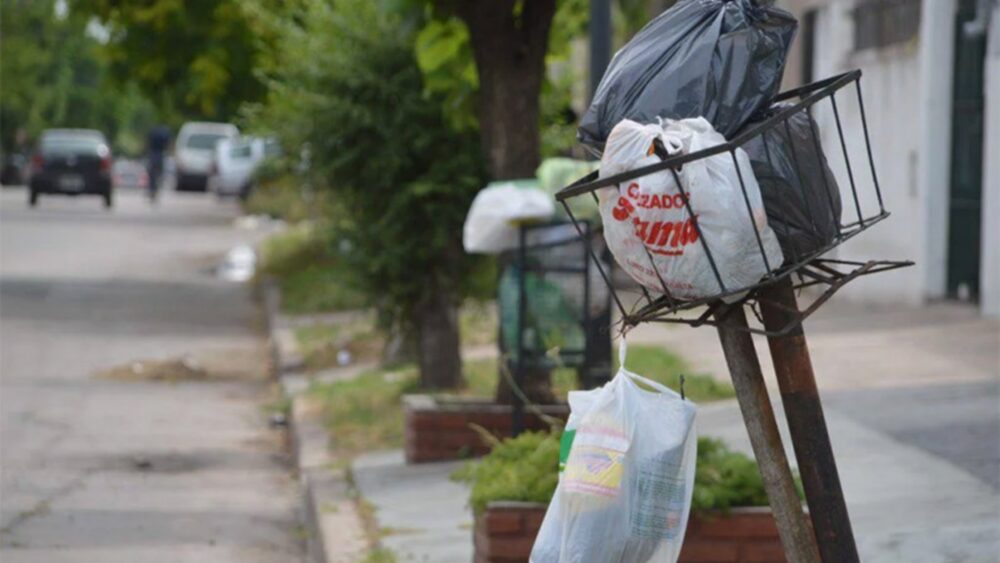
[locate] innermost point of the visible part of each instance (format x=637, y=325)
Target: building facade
x=931, y=85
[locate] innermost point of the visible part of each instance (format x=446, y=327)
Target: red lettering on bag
x=623, y=210
x=641, y=227
x=656, y=201
x=667, y=229
x=654, y=232
x=675, y=234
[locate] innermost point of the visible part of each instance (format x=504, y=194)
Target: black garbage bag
x=717, y=59
x=800, y=193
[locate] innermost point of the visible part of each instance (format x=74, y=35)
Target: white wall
x=990, y=265
x=907, y=91
x=937, y=32
x=891, y=83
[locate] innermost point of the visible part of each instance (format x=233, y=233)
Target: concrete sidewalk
x=906, y=504
x=912, y=400
x=422, y=514
x=854, y=346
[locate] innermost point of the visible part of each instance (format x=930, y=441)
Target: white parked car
x=194, y=152
x=236, y=160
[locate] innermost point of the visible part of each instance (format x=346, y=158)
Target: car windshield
x=203, y=141
x=54, y=146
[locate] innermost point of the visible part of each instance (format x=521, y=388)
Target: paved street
x=109, y=469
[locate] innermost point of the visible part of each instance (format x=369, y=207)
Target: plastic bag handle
x=622, y=352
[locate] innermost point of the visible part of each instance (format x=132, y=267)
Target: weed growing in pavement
x=320, y=344
x=379, y=555
x=303, y=261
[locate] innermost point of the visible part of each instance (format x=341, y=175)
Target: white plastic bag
x=491, y=225
x=625, y=494
x=647, y=224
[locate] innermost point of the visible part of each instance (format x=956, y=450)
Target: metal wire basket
x=554, y=309
x=807, y=267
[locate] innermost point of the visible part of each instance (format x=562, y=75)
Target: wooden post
x=807, y=427
x=744, y=368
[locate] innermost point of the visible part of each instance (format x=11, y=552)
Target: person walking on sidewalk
x=156, y=148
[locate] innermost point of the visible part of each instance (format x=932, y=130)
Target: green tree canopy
x=51, y=75
x=348, y=87
x=194, y=58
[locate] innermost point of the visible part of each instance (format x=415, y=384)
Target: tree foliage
x=350, y=89
x=446, y=59
x=194, y=58
x=52, y=76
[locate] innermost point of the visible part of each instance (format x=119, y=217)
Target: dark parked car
x=71, y=162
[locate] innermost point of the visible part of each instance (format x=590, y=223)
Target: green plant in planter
x=526, y=469
x=724, y=479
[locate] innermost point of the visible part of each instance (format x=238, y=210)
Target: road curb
x=285, y=355
x=335, y=531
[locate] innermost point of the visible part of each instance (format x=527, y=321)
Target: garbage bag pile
x=697, y=75
x=717, y=59
x=625, y=492
x=491, y=225
x=800, y=192
x=650, y=222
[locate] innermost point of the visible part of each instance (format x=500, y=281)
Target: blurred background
x=202, y=197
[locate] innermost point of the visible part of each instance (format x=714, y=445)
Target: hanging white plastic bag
x=491, y=224
x=625, y=494
x=549, y=540
x=652, y=234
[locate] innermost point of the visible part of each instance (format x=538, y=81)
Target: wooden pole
x=744, y=368
x=807, y=426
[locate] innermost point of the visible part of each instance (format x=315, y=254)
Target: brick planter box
x=437, y=428
x=743, y=535
x=507, y=530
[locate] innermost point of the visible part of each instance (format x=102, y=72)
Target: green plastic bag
x=549, y=320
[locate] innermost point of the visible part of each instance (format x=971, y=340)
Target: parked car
x=126, y=173
x=236, y=160
x=71, y=162
x=194, y=152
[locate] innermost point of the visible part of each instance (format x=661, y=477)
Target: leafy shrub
x=278, y=193
x=520, y=469
x=526, y=469
x=381, y=148
x=725, y=479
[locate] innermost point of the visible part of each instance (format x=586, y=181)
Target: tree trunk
x=510, y=52
x=438, y=342
x=401, y=346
